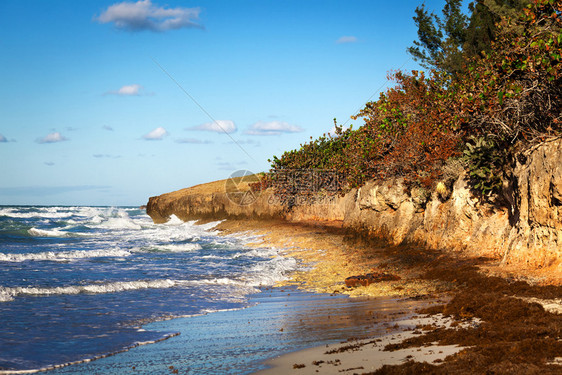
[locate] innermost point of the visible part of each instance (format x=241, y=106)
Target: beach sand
x=280, y=320
x=444, y=315
x=480, y=322
x=358, y=356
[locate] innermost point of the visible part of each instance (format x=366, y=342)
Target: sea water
x=78, y=283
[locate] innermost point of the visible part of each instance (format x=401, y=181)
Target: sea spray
x=83, y=279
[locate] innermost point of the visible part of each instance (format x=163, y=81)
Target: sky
x=109, y=103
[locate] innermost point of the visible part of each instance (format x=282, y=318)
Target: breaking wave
x=47, y=233
x=8, y=294
x=64, y=255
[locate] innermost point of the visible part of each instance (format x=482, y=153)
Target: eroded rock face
x=211, y=206
x=528, y=231
x=536, y=236
x=459, y=223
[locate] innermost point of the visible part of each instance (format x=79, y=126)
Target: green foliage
x=444, y=43
x=514, y=94
x=407, y=132
x=485, y=15
x=485, y=161
x=500, y=102
x=440, y=39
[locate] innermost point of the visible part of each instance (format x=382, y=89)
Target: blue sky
x=94, y=110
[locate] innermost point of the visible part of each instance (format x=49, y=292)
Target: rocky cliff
x=527, y=231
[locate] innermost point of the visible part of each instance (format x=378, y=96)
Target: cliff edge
x=527, y=232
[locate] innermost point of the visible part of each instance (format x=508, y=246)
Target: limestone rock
x=527, y=231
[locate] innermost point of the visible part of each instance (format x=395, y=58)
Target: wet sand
x=281, y=320
x=498, y=323
x=446, y=314
x=358, y=356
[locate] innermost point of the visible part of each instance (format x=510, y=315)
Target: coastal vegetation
x=492, y=89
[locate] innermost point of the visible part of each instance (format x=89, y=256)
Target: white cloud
x=127, y=90
x=230, y=166
x=346, y=39
x=143, y=15
x=219, y=126
x=252, y=142
x=194, y=141
x=3, y=139
x=99, y=156
x=52, y=138
x=272, y=128
x=156, y=134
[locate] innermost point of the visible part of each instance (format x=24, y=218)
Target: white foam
x=46, y=233
x=96, y=219
x=174, y=220
x=271, y=272
x=113, y=219
x=64, y=255
x=8, y=294
x=120, y=223
x=210, y=225
x=49, y=213
x=210, y=257
x=178, y=248
x=229, y=290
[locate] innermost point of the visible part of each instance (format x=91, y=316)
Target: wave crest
x=8, y=294
x=64, y=255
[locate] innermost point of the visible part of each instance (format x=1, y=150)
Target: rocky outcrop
x=527, y=231
x=187, y=205
x=536, y=207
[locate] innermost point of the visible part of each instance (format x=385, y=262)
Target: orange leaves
x=513, y=93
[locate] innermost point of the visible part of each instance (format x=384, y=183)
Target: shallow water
x=78, y=282
x=238, y=342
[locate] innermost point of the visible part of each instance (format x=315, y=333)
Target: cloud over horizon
x=99, y=156
x=252, y=142
x=219, y=126
x=127, y=90
x=143, y=15
x=48, y=190
x=272, y=128
x=156, y=135
x=230, y=166
x=194, y=141
x=346, y=39
x=52, y=138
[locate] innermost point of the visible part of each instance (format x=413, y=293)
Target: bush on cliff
x=496, y=104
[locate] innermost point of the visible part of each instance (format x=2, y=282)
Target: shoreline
x=283, y=319
x=366, y=355
x=486, y=320
x=279, y=320
x=513, y=313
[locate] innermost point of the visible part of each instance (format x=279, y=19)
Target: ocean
x=80, y=283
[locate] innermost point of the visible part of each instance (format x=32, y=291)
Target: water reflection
x=238, y=342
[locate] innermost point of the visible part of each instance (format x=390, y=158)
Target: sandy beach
x=439, y=314
x=280, y=320
x=358, y=356
x=473, y=321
